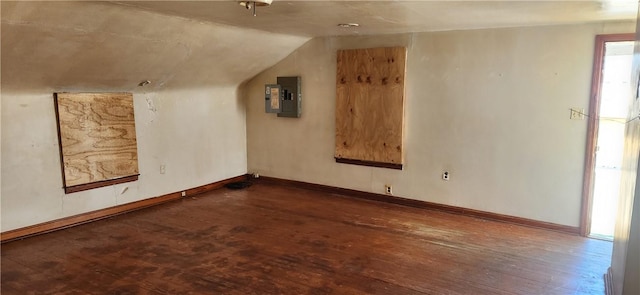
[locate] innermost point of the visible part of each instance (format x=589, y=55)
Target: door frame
x=592, y=126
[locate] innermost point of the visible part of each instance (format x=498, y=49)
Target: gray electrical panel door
x=291, y=97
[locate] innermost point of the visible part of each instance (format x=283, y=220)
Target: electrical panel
x=284, y=98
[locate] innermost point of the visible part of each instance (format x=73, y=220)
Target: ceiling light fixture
x=348, y=25
x=253, y=4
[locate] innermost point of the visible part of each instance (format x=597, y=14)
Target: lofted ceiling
x=320, y=18
x=94, y=46
x=109, y=45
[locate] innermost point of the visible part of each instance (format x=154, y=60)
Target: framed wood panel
x=97, y=138
x=370, y=90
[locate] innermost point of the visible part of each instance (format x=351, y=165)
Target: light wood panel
x=97, y=138
x=370, y=87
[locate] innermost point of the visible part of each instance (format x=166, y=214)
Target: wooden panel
x=97, y=137
x=370, y=88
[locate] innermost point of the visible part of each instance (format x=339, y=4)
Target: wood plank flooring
x=271, y=239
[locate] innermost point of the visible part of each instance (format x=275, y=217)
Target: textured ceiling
x=76, y=45
x=320, y=18
x=92, y=46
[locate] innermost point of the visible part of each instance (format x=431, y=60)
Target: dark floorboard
x=271, y=239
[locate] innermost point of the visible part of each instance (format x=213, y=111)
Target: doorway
x=608, y=111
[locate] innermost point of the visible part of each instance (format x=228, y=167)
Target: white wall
x=489, y=106
x=191, y=118
x=198, y=134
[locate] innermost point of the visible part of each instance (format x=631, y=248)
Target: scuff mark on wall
x=152, y=108
x=150, y=105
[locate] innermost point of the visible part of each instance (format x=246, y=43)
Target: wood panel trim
x=592, y=126
x=83, y=218
x=421, y=204
x=369, y=163
x=103, y=183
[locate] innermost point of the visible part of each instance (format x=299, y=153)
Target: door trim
x=592, y=126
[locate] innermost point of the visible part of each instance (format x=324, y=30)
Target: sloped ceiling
x=320, y=17
x=80, y=46
x=89, y=45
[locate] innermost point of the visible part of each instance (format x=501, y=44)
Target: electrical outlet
x=576, y=114
x=256, y=175
x=445, y=175
x=163, y=168
x=388, y=190
x=184, y=193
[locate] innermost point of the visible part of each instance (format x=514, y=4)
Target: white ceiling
x=320, y=18
x=83, y=46
x=92, y=45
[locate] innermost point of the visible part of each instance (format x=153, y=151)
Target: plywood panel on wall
x=370, y=89
x=97, y=139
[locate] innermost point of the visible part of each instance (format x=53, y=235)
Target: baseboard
x=70, y=221
x=422, y=204
x=608, y=282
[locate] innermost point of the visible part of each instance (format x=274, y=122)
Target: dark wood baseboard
x=422, y=204
x=608, y=282
x=70, y=221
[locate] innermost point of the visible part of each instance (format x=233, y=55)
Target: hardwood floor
x=271, y=239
